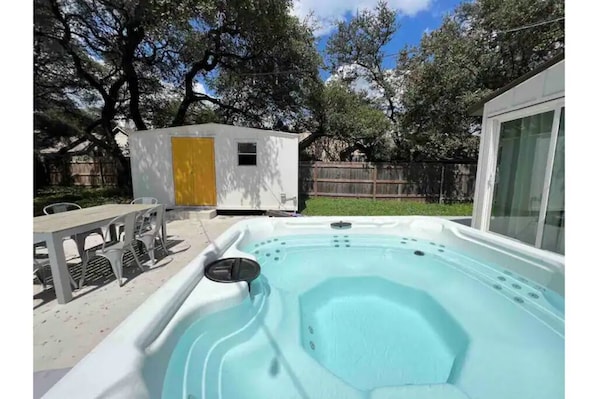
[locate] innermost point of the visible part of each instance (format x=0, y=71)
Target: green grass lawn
x=85, y=197
x=321, y=206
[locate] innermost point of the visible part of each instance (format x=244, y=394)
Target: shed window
x=247, y=153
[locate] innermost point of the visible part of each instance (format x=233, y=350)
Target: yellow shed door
x=193, y=171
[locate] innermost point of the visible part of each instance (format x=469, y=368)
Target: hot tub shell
x=131, y=362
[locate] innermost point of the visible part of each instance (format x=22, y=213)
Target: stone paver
x=64, y=334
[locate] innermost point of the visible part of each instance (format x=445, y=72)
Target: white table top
x=71, y=219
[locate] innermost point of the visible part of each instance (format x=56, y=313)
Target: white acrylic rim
x=99, y=375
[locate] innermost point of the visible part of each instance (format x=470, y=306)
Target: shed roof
x=477, y=109
x=248, y=130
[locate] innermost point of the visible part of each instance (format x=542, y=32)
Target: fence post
x=316, y=179
x=441, y=185
x=374, y=178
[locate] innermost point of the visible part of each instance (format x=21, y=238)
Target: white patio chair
x=115, y=252
x=38, y=270
x=149, y=235
x=78, y=238
x=40, y=265
x=143, y=219
x=60, y=207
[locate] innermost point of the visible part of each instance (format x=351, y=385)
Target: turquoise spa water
x=355, y=316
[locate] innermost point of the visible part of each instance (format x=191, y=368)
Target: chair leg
x=136, y=258
x=150, y=245
x=116, y=262
x=147, y=245
x=162, y=243
x=41, y=278
x=73, y=282
x=152, y=256
x=80, y=241
x=83, y=269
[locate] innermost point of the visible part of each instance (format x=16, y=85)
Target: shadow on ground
x=99, y=272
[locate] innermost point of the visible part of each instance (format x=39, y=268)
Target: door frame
x=493, y=126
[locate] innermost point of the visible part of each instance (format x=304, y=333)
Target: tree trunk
x=123, y=168
x=135, y=35
x=133, y=83
x=179, y=118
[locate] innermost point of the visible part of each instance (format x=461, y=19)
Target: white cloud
x=327, y=12
x=199, y=88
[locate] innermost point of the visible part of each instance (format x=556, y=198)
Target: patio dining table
x=52, y=229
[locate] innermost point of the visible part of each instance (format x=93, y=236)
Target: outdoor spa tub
x=355, y=307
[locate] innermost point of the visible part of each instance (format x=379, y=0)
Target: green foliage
x=349, y=117
x=55, y=123
x=428, y=94
x=163, y=113
x=465, y=59
x=277, y=85
x=99, y=61
x=359, y=43
x=338, y=110
x=141, y=60
x=361, y=39
x=364, y=207
x=85, y=197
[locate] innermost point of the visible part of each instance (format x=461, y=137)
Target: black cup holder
x=232, y=270
x=340, y=225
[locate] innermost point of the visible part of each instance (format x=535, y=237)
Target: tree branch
x=135, y=34
x=309, y=140
x=65, y=43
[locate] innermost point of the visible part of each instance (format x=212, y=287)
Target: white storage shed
x=520, y=182
x=214, y=165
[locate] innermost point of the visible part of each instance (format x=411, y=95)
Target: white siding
x=529, y=97
x=545, y=86
x=237, y=187
x=480, y=203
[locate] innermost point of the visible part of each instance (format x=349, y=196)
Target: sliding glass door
x=553, y=234
x=528, y=192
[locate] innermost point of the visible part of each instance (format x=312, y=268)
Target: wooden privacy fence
x=439, y=182
x=92, y=172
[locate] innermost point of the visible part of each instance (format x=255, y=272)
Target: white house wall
x=524, y=99
x=151, y=168
x=545, y=86
x=237, y=187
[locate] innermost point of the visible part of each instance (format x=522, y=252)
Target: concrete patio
x=64, y=334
